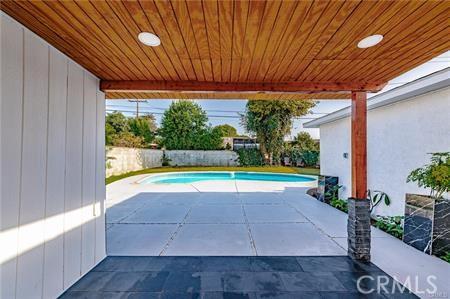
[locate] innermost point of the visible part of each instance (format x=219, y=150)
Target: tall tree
x=117, y=121
x=227, y=130
x=144, y=126
x=304, y=142
x=184, y=126
x=271, y=121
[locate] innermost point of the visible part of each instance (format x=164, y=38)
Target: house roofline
x=429, y=83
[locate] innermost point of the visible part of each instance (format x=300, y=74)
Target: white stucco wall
x=399, y=137
x=52, y=167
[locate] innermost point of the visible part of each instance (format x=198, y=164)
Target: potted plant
x=427, y=217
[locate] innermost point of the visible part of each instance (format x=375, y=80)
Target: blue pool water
x=191, y=177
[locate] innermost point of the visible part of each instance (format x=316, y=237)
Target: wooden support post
x=359, y=144
x=358, y=227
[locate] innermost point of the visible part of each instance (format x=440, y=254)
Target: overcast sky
x=227, y=111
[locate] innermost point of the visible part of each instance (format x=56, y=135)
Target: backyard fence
x=121, y=159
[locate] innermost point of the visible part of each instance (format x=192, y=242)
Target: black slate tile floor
x=231, y=278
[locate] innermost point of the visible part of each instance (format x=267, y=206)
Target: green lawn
x=279, y=169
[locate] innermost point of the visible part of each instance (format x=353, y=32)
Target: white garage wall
x=399, y=137
x=52, y=167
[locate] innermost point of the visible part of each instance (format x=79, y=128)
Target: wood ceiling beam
x=238, y=87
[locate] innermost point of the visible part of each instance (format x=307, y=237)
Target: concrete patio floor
x=219, y=218
x=249, y=219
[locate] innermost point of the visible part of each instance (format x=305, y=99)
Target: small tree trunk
x=264, y=154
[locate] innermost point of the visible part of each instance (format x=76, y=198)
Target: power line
x=207, y=110
x=160, y=108
x=212, y=116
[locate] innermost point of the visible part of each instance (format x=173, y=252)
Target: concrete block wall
x=121, y=159
x=202, y=158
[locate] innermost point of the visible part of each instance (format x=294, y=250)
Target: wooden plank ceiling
x=241, y=41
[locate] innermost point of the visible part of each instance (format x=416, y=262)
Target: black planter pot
x=427, y=224
x=325, y=185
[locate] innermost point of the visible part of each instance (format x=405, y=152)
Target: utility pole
x=137, y=105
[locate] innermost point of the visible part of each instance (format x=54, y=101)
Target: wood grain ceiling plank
x=363, y=27
x=121, y=37
x=393, y=29
x=314, y=69
x=210, y=10
x=366, y=63
x=169, y=21
x=197, y=16
x=146, y=15
x=42, y=29
x=381, y=25
x=124, y=22
x=226, y=12
x=185, y=26
x=271, y=13
x=307, y=24
x=286, y=13
x=240, y=16
x=70, y=35
x=412, y=34
x=423, y=34
x=407, y=65
x=423, y=51
x=326, y=74
x=336, y=44
x=338, y=20
x=423, y=14
x=256, y=12
x=73, y=13
x=293, y=72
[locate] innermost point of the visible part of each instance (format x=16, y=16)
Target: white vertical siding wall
x=52, y=167
x=399, y=138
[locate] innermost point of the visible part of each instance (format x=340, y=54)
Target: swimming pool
x=192, y=177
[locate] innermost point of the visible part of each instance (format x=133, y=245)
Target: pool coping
x=139, y=181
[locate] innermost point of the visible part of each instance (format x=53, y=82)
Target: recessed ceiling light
x=370, y=41
x=149, y=39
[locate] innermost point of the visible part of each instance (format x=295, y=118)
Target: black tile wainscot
x=427, y=224
x=325, y=186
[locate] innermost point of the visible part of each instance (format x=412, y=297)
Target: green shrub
x=390, y=224
x=310, y=158
x=376, y=197
x=339, y=204
x=435, y=175
x=446, y=256
x=300, y=156
x=128, y=139
x=250, y=157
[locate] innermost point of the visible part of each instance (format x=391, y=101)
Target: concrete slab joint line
x=172, y=237
x=252, y=241
x=358, y=229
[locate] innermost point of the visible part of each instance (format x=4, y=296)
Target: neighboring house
x=240, y=142
x=404, y=125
